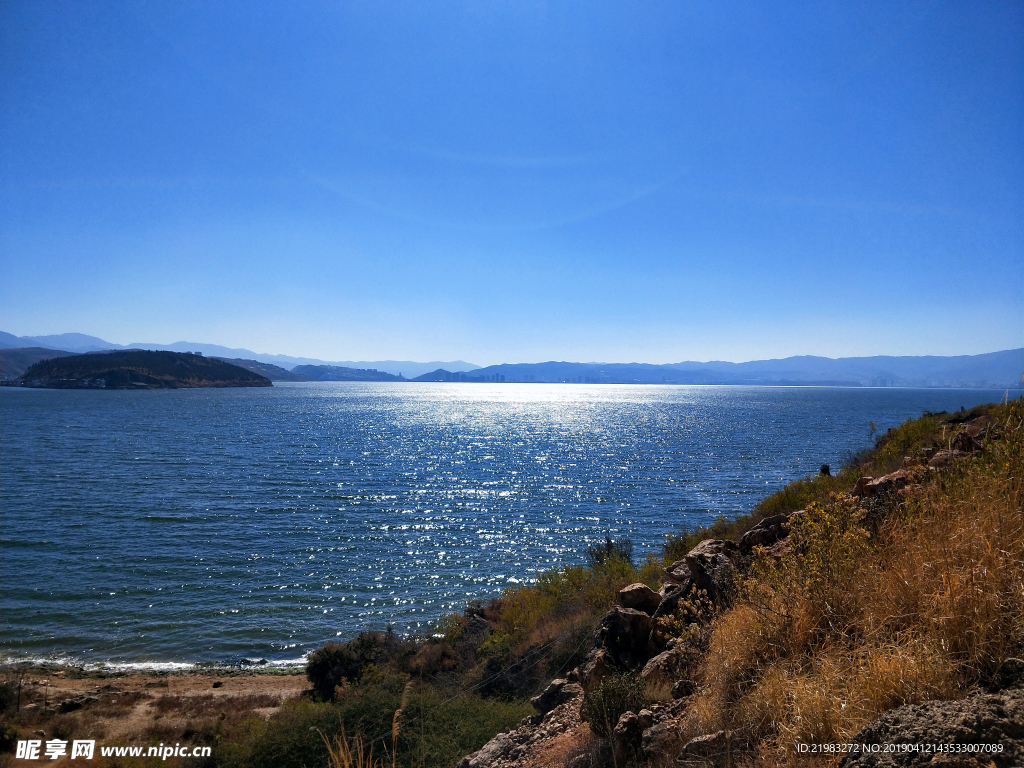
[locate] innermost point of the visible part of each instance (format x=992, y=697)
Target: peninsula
x=137, y=369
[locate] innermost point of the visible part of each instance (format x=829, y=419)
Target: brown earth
x=143, y=709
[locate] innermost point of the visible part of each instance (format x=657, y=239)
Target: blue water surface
x=221, y=524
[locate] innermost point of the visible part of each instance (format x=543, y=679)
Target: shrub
x=613, y=697
x=343, y=663
x=610, y=550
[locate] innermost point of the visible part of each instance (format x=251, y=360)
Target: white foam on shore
x=73, y=662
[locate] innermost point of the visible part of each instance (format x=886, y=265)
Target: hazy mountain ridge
x=991, y=370
x=997, y=370
x=80, y=342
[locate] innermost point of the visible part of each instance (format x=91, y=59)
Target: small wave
x=73, y=662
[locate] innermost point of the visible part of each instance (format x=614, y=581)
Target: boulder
x=941, y=459
x=626, y=635
x=683, y=688
x=678, y=572
x=873, y=486
x=966, y=442
x=765, y=533
x=598, y=665
x=557, y=693
x=626, y=738
x=490, y=754
x=670, y=595
x=981, y=719
x=69, y=705
x=712, y=568
x=661, y=742
x=639, y=597
x=712, y=748
x=664, y=669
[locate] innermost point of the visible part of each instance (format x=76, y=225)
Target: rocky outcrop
x=661, y=743
x=597, y=667
x=639, y=597
x=941, y=459
x=766, y=532
x=626, y=635
x=712, y=568
x=713, y=749
x=557, y=693
x=867, y=487
x=520, y=746
x=985, y=718
x=670, y=595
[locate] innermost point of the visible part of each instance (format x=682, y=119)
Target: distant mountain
x=272, y=372
x=79, y=342
x=137, y=369
x=996, y=370
x=68, y=342
x=341, y=373
x=13, y=362
x=408, y=368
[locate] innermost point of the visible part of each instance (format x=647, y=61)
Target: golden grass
x=846, y=626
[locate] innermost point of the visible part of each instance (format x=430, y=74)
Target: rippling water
x=216, y=525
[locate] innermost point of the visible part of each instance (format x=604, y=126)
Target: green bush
x=613, y=697
x=337, y=663
x=610, y=550
x=8, y=696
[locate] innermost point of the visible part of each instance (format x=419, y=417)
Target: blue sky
x=516, y=181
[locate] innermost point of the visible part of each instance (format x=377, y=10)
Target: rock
x=626, y=635
x=683, y=688
x=1010, y=674
x=639, y=597
x=490, y=753
x=558, y=692
x=712, y=568
x=626, y=738
x=890, y=483
x=678, y=572
x=664, y=669
x=940, y=459
x=670, y=595
x=713, y=748
x=966, y=442
x=766, y=532
x=217, y=683
x=597, y=667
x=661, y=742
x=69, y=705
x=860, y=486
x=646, y=718
x=980, y=719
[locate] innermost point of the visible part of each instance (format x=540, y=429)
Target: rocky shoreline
x=703, y=584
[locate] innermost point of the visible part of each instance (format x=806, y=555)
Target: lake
x=217, y=525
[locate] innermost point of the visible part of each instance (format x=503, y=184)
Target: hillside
x=272, y=372
x=340, y=373
x=138, y=369
x=13, y=362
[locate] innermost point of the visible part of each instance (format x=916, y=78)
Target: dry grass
x=847, y=626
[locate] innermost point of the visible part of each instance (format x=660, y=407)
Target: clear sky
x=516, y=181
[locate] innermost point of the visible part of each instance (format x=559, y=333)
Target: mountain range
x=997, y=370
x=80, y=342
